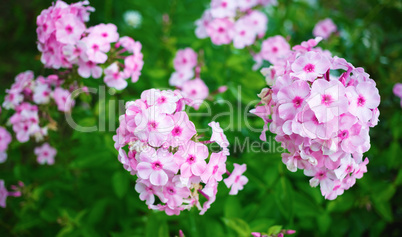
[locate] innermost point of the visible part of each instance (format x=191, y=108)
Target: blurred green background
x=88, y=193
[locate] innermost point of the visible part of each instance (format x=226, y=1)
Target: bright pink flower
x=63, y=99
x=323, y=177
x=236, y=180
x=114, y=77
x=363, y=99
x=75, y=52
x=45, y=154
x=223, y=8
x=182, y=131
x=275, y=49
x=292, y=99
x=132, y=66
x=96, y=48
x=327, y=99
x=69, y=29
x=202, y=24
x=397, y=89
x=216, y=167
x=310, y=66
x=324, y=28
x=42, y=93
x=153, y=126
x=89, y=68
x=106, y=32
x=221, y=31
x=195, y=90
x=165, y=101
x=179, y=78
x=185, y=59
x=155, y=166
x=219, y=137
x=244, y=35
x=191, y=158
x=148, y=191
x=175, y=194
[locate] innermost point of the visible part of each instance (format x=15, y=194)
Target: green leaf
x=238, y=225
x=120, y=183
x=274, y=230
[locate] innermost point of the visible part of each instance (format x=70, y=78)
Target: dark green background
x=88, y=193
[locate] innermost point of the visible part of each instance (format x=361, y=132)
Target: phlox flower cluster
x=26, y=95
x=187, y=77
x=324, y=28
x=398, y=91
x=4, y=193
x=236, y=21
x=321, y=109
x=66, y=42
x=158, y=143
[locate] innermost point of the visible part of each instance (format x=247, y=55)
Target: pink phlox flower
x=42, y=93
x=191, y=158
x=216, y=168
x=363, y=99
x=148, y=191
x=164, y=100
x=310, y=66
x=196, y=90
x=236, y=180
x=96, y=48
x=180, y=77
x=155, y=166
x=175, y=194
x=324, y=28
x=327, y=99
x=323, y=177
x=202, y=24
x=75, y=52
x=132, y=66
x=45, y=154
x=63, y=99
x=223, y=8
x=186, y=59
x=182, y=131
x=274, y=49
x=106, y=32
x=69, y=29
x=153, y=126
x=114, y=77
x=221, y=31
x=219, y=137
x=89, y=68
x=244, y=35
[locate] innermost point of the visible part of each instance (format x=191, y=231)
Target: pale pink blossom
x=114, y=77
x=196, y=91
x=69, y=29
x=221, y=31
x=63, y=99
x=275, y=49
x=236, y=180
x=186, y=59
x=191, y=159
x=324, y=28
x=45, y=154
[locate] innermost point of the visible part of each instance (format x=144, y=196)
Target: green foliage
x=88, y=193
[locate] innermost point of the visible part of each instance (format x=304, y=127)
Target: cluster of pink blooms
x=65, y=41
x=187, y=78
x=26, y=94
x=5, y=139
x=320, y=108
x=324, y=28
x=4, y=193
x=159, y=144
x=235, y=21
x=398, y=91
